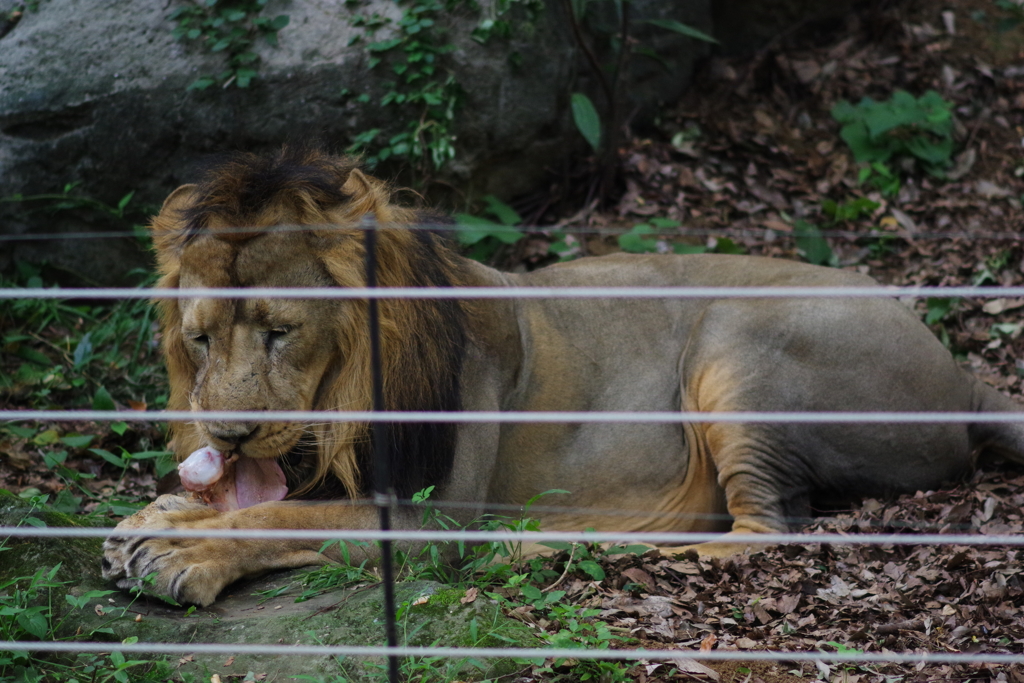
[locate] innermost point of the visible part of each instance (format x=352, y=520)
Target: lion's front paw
x=189, y=570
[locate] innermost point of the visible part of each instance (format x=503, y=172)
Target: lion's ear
x=369, y=195
x=177, y=200
x=357, y=186
x=168, y=228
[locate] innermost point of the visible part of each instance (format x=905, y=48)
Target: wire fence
x=385, y=500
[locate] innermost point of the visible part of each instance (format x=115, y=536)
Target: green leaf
x=109, y=457
x=54, y=459
x=557, y=545
x=939, y=308
x=592, y=568
x=812, y=244
x=77, y=441
x=201, y=83
x=119, y=428
x=531, y=593
x=124, y=200
x=636, y=241
x=32, y=355
x=502, y=211
x=166, y=464
x=279, y=22
x=588, y=123
x=83, y=350
x=34, y=621
x=724, y=245
x=678, y=27
x=634, y=549
x=102, y=400
x=384, y=45
x=22, y=432
x=474, y=229
x=45, y=438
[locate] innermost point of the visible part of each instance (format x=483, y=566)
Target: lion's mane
x=422, y=341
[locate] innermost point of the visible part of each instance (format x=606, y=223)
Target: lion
x=256, y=354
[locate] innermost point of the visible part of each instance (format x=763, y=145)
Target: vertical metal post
x=383, y=495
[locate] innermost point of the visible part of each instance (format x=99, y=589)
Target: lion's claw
x=184, y=569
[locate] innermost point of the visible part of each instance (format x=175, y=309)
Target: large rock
x=255, y=612
x=97, y=93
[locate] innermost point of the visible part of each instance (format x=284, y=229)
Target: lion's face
x=256, y=354
x=251, y=354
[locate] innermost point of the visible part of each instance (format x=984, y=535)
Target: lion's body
x=865, y=354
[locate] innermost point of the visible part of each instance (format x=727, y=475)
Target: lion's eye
x=277, y=333
x=200, y=339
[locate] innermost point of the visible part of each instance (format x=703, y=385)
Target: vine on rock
x=231, y=27
x=425, y=93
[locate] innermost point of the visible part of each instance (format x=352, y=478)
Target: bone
x=201, y=470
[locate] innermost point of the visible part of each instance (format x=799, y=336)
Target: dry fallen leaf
x=997, y=306
x=708, y=644
x=696, y=669
x=230, y=660
x=470, y=595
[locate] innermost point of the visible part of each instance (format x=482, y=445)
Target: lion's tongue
x=259, y=481
x=248, y=482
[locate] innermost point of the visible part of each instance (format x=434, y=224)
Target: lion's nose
x=231, y=432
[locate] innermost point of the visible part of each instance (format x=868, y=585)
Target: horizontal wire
x=829, y=516
x=765, y=292
x=473, y=536
x=524, y=653
x=678, y=231
x=520, y=417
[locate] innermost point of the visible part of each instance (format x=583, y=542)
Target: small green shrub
x=485, y=236
x=902, y=126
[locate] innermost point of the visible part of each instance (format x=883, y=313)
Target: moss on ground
x=241, y=615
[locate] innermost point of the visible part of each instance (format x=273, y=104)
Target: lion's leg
x=759, y=487
x=195, y=570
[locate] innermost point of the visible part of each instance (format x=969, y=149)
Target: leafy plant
x=938, y=310
x=992, y=266
x=485, y=236
x=84, y=347
x=611, y=77
x=75, y=493
x=230, y=27
x=643, y=239
x=36, y=607
x=67, y=199
x=902, y=126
